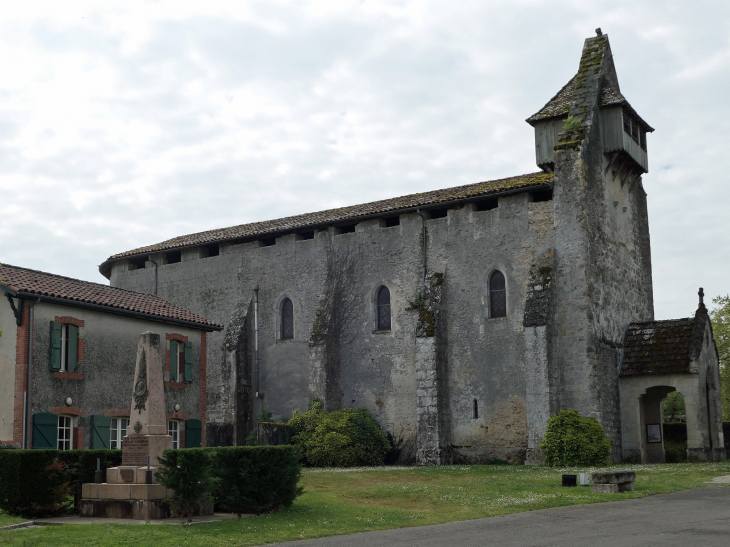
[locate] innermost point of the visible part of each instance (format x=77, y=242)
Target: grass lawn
x=6, y=520
x=357, y=500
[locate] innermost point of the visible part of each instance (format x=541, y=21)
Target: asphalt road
x=696, y=517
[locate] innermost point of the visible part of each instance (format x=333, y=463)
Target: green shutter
x=45, y=430
x=73, y=347
x=188, y=361
x=173, y=360
x=193, y=436
x=54, y=348
x=100, y=432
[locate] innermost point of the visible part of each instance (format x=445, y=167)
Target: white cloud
x=122, y=125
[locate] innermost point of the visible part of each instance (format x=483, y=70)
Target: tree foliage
x=343, y=438
x=721, y=330
x=572, y=440
x=189, y=474
x=674, y=409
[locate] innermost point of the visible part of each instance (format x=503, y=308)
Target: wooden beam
x=610, y=163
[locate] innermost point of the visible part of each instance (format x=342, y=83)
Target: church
x=461, y=318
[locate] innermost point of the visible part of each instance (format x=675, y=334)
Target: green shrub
x=81, y=467
x=190, y=475
x=675, y=452
x=343, y=438
x=257, y=479
x=572, y=440
x=33, y=483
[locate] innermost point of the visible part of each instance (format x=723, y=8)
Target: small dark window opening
x=268, y=242
x=214, y=250
x=383, y=308
x=392, y=221
x=476, y=410
x=486, y=204
x=349, y=229
x=643, y=141
x=287, y=320
x=438, y=213
x=542, y=195
x=627, y=123
x=307, y=235
x=497, y=295
x=173, y=257
x=137, y=263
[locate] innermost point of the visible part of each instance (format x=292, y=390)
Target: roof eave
x=105, y=267
x=118, y=311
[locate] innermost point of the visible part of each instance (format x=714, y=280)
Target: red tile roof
x=663, y=347
x=343, y=214
x=33, y=282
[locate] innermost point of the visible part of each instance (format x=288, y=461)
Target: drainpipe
x=155, y=263
x=26, y=428
x=423, y=232
x=256, y=341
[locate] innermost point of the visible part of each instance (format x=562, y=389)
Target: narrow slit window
x=497, y=295
x=383, y=308
x=438, y=213
x=392, y=221
x=486, y=204
x=476, y=410
x=306, y=235
x=287, y=319
x=349, y=229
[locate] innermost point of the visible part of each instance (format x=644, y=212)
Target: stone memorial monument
x=131, y=490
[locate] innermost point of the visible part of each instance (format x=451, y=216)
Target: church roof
x=386, y=207
x=21, y=282
x=559, y=105
x=663, y=347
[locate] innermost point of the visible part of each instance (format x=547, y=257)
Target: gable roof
x=24, y=282
x=559, y=105
x=352, y=213
x=663, y=347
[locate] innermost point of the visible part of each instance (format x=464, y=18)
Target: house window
x=287, y=319
x=173, y=429
x=117, y=431
x=63, y=351
x=383, y=308
x=181, y=361
x=65, y=433
x=497, y=295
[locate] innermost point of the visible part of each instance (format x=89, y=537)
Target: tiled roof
x=24, y=280
x=662, y=347
x=559, y=105
x=343, y=214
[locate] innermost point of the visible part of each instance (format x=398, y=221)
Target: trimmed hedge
x=35, y=483
x=572, y=440
x=343, y=438
x=256, y=479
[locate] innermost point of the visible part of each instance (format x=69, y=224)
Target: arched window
x=383, y=308
x=287, y=319
x=497, y=295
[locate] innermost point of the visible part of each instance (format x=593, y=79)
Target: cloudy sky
x=123, y=126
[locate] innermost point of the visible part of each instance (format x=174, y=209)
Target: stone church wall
x=484, y=358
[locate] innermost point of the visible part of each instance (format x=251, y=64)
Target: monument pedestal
x=127, y=494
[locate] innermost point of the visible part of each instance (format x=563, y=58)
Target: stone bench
x=612, y=482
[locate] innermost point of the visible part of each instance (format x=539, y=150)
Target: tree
x=188, y=473
x=721, y=330
x=674, y=408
